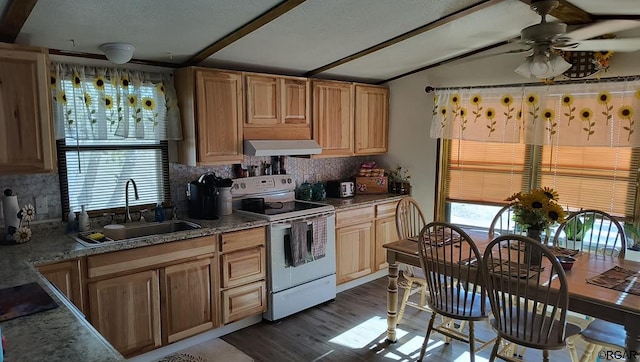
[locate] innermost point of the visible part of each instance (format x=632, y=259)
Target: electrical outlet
x=42, y=207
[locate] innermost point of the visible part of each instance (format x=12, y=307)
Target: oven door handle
x=308, y=219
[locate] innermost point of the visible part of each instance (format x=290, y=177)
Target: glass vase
x=533, y=256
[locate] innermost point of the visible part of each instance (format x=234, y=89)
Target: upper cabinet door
x=212, y=110
x=263, y=95
x=371, y=119
x=278, y=107
x=26, y=134
x=333, y=117
x=220, y=114
x=296, y=102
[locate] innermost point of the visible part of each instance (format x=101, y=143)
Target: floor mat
x=212, y=350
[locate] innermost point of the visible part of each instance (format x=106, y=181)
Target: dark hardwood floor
x=353, y=328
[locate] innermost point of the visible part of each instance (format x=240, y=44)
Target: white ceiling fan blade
x=597, y=45
x=601, y=28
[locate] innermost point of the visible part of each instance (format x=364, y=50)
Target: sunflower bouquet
x=537, y=209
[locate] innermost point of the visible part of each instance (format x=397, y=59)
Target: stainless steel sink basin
x=122, y=232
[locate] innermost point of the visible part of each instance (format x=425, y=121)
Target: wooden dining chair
x=409, y=221
x=592, y=231
x=527, y=309
x=503, y=222
x=449, y=259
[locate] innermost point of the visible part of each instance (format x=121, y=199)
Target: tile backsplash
x=28, y=187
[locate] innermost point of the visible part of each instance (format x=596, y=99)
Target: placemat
x=618, y=278
x=23, y=300
x=438, y=238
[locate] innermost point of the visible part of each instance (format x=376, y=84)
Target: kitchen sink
x=122, y=232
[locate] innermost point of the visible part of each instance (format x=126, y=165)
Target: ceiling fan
x=547, y=39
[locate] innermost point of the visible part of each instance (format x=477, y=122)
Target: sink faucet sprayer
x=126, y=194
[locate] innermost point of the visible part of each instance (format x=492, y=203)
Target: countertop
x=63, y=334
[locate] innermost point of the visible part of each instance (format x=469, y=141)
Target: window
x=112, y=126
x=95, y=175
x=602, y=178
x=579, y=139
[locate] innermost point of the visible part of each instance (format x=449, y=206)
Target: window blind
x=484, y=172
x=96, y=175
x=602, y=178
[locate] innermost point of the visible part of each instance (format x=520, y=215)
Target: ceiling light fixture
x=543, y=63
x=118, y=53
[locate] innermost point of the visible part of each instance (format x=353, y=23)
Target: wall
x=410, y=110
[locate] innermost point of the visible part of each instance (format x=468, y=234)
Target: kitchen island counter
x=63, y=334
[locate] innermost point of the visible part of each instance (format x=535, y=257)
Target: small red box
x=372, y=185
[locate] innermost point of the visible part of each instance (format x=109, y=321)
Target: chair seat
x=414, y=272
x=520, y=335
x=603, y=332
x=455, y=307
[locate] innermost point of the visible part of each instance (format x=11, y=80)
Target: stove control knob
x=289, y=180
x=283, y=181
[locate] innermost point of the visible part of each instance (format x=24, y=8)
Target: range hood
x=281, y=147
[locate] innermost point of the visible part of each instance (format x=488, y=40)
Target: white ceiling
x=311, y=35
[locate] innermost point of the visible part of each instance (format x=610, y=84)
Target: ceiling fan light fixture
x=118, y=53
x=524, y=68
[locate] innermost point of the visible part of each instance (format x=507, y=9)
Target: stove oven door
x=283, y=275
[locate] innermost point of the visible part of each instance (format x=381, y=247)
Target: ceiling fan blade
x=601, y=28
x=597, y=45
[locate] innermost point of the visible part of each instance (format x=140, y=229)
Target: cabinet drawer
x=387, y=209
x=354, y=216
x=243, y=239
x=242, y=267
x=149, y=256
x=244, y=301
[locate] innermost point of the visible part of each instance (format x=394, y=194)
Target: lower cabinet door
x=386, y=232
x=126, y=311
x=186, y=296
x=354, y=245
x=244, y=301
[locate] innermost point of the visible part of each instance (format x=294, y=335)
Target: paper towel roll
x=10, y=208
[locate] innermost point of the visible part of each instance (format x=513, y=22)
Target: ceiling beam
x=15, y=16
x=453, y=59
x=102, y=57
x=244, y=30
x=442, y=21
x=568, y=13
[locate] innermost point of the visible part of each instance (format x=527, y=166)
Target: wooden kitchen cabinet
x=278, y=107
x=243, y=274
x=66, y=276
x=186, y=298
x=333, y=118
x=371, y=119
x=142, y=298
x=355, y=235
x=26, y=132
x=350, y=118
x=360, y=234
x=212, y=110
x=386, y=232
x=126, y=311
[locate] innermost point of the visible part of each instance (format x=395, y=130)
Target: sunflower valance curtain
x=595, y=114
x=92, y=103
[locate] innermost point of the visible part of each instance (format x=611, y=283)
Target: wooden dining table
x=589, y=299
